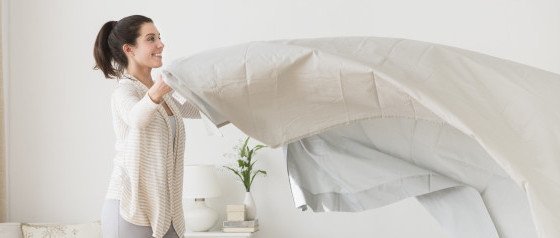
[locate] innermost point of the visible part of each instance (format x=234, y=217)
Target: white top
x=147, y=174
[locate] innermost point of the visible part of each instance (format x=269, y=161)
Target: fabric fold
x=279, y=92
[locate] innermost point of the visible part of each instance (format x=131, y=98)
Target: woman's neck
x=143, y=75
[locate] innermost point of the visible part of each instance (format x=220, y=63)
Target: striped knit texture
x=147, y=173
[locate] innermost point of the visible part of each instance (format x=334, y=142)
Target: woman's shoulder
x=125, y=83
x=125, y=86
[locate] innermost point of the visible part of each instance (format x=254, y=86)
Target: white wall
x=60, y=138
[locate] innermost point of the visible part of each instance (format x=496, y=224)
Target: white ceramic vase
x=200, y=218
x=250, y=207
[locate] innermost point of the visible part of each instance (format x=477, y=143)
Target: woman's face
x=148, y=49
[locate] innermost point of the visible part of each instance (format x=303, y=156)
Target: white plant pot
x=250, y=207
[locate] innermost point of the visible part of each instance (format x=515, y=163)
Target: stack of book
x=236, y=212
x=241, y=226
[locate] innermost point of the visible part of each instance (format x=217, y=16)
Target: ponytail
x=107, y=50
x=102, y=51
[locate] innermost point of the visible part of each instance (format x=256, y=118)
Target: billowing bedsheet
x=376, y=162
x=291, y=91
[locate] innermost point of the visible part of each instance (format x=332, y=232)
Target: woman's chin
x=157, y=65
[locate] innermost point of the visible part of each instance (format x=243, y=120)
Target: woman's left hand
x=158, y=90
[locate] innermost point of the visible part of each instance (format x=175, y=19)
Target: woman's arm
x=136, y=112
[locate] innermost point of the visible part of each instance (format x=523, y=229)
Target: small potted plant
x=246, y=173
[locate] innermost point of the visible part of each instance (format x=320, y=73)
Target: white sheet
x=376, y=162
x=279, y=92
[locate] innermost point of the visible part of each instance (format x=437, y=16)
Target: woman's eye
x=151, y=39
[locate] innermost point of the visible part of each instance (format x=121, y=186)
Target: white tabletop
x=218, y=234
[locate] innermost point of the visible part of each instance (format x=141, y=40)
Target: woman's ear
x=128, y=50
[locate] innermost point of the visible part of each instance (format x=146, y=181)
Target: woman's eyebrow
x=150, y=34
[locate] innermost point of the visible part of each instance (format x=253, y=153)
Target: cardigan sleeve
x=136, y=112
x=187, y=110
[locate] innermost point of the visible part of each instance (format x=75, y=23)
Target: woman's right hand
x=159, y=89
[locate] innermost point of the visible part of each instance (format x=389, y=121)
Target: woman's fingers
x=160, y=84
x=159, y=89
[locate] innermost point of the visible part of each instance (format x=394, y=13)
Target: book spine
x=239, y=226
x=239, y=229
x=240, y=223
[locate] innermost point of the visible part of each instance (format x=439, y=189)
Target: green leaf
x=246, y=179
x=255, y=174
x=251, y=165
x=250, y=156
x=258, y=147
x=236, y=172
x=244, y=148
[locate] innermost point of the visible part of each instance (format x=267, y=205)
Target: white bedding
x=372, y=163
x=283, y=91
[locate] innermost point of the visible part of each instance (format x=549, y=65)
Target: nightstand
x=218, y=234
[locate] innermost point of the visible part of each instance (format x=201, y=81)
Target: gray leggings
x=114, y=226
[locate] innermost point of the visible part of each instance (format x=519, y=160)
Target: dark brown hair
x=107, y=51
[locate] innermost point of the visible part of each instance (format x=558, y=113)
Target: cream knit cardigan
x=147, y=173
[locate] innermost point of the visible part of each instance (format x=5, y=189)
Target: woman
x=145, y=190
